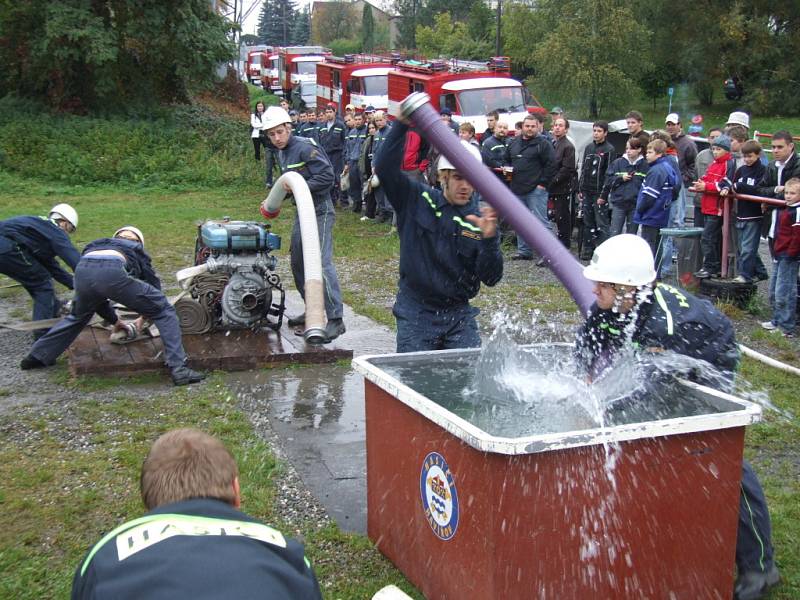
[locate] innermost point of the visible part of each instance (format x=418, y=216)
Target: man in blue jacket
x=116, y=269
x=447, y=249
x=194, y=542
x=331, y=134
x=352, y=153
x=28, y=250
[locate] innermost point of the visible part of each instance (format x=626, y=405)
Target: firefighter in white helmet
x=303, y=156
x=633, y=310
x=117, y=269
x=29, y=246
x=448, y=247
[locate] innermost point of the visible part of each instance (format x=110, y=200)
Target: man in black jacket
x=116, y=269
x=784, y=166
x=332, y=134
x=597, y=156
x=534, y=162
x=195, y=542
x=563, y=182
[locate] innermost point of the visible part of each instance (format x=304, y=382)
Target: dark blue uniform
x=28, y=247
x=304, y=157
x=101, y=279
x=443, y=259
x=195, y=549
x=332, y=140
x=675, y=320
x=352, y=153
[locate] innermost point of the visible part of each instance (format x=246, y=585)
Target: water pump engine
x=240, y=288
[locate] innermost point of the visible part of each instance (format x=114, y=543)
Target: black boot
x=31, y=362
x=334, y=329
x=183, y=375
x=297, y=321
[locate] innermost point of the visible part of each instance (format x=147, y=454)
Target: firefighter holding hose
x=447, y=249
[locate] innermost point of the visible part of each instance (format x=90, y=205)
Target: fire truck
x=357, y=79
x=298, y=64
x=255, y=56
x=270, y=80
x=470, y=89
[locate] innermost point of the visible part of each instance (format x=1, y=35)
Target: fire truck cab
x=297, y=64
x=357, y=79
x=255, y=57
x=470, y=89
x=270, y=80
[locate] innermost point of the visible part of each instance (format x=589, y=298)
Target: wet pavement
x=317, y=414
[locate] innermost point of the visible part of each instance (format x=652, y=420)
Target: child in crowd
x=749, y=215
x=660, y=187
x=717, y=178
x=621, y=189
x=783, y=285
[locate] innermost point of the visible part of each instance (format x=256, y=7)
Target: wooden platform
x=238, y=350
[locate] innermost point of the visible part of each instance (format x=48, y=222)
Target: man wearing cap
x=116, y=269
x=687, y=153
x=350, y=110
x=28, y=249
x=740, y=119
x=447, y=117
x=331, y=136
x=303, y=156
x=633, y=311
x=447, y=249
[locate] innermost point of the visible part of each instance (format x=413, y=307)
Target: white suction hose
x=769, y=361
x=312, y=259
x=184, y=276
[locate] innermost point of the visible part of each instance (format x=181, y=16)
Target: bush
x=188, y=146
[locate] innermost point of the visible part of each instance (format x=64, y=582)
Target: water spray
x=417, y=108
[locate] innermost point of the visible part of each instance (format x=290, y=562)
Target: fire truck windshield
x=374, y=85
x=255, y=59
x=482, y=101
x=306, y=68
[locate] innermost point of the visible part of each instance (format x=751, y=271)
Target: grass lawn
x=69, y=474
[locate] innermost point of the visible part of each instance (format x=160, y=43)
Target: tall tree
x=407, y=24
x=450, y=39
x=276, y=22
x=594, y=55
x=335, y=23
x=367, y=28
x=83, y=55
x=301, y=29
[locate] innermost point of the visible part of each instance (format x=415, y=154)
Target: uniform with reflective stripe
x=199, y=549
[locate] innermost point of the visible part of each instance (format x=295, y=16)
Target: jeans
x=677, y=218
x=98, y=280
x=333, y=295
x=422, y=327
x=709, y=244
x=536, y=202
x=783, y=293
x=749, y=262
x=621, y=217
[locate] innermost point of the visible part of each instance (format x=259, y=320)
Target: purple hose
x=569, y=271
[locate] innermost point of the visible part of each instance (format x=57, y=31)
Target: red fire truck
x=255, y=57
x=357, y=79
x=470, y=89
x=297, y=64
x=270, y=79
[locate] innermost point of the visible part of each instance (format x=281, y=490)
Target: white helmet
x=445, y=164
x=64, y=212
x=625, y=259
x=274, y=116
x=739, y=118
x=134, y=230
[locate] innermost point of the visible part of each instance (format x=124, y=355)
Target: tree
x=335, y=23
x=367, y=28
x=276, y=22
x=301, y=30
x=108, y=53
x=449, y=39
x=594, y=55
x=520, y=25
x=407, y=25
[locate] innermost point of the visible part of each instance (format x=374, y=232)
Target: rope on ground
x=768, y=361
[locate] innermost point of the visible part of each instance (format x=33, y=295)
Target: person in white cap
x=116, y=269
x=29, y=246
x=634, y=311
x=739, y=118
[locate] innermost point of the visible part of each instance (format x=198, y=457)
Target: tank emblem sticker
x=439, y=497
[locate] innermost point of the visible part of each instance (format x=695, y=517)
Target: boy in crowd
x=749, y=215
x=717, y=178
x=783, y=285
x=623, y=181
x=659, y=189
x=597, y=156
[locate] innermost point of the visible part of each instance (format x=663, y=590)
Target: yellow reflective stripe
x=466, y=224
x=611, y=330
x=171, y=521
x=427, y=197
x=662, y=303
x=295, y=165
